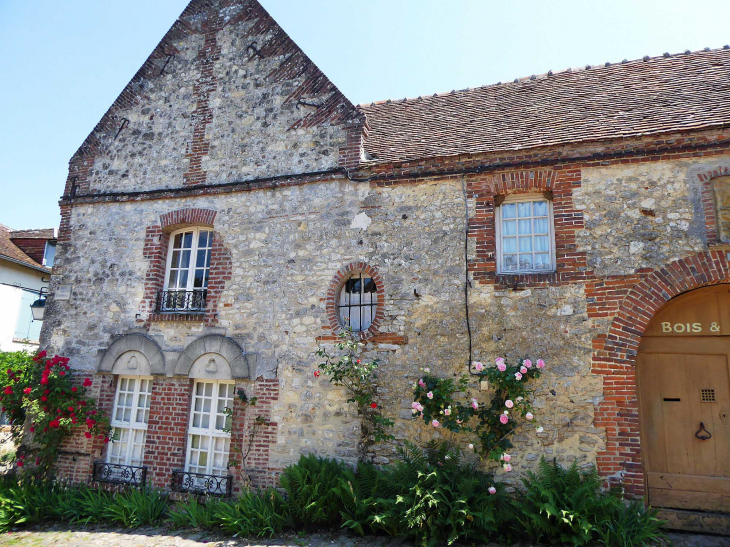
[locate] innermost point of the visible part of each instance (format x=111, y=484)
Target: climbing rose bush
x=45, y=405
x=488, y=425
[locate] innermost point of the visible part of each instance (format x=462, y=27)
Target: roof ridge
x=547, y=74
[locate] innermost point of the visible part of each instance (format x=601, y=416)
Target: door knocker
x=703, y=436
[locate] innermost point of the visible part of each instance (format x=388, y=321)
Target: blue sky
x=62, y=64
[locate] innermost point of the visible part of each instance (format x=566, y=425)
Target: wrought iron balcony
x=199, y=483
x=120, y=474
x=181, y=301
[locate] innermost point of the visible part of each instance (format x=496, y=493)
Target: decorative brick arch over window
x=155, y=250
x=709, y=203
x=614, y=358
x=333, y=294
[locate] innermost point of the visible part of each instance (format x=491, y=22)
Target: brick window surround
x=708, y=201
x=614, y=358
x=155, y=250
x=333, y=295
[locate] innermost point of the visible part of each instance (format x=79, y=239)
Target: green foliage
x=193, y=514
x=359, y=378
x=42, y=392
x=137, y=507
x=309, y=486
x=631, y=525
x=255, y=514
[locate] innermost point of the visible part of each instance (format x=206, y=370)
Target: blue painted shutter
x=26, y=328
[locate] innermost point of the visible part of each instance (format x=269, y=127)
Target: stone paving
x=70, y=536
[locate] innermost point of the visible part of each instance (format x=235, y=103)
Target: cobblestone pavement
x=69, y=536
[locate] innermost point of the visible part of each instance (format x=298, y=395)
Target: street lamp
x=38, y=308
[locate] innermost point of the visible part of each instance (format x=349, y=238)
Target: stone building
x=232, y=206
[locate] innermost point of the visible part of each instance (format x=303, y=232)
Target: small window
x=49, y=254
x=129, y=420
x=209, y=434
x=525, y=240
x=358, y=302
x=188, y=268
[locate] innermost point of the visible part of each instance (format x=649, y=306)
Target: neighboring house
x=233, y=210
x=26, y=259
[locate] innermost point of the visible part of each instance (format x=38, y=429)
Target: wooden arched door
x=684, y=400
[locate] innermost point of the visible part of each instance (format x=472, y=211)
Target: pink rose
x=503, y=418
x=518, y=376
x=474, y=404
x=429, y=394
x=492, y=490
x=421, y=383
x=506, y=457
x=435, y=423
x=501, y=367
x=523, y=370
x=479, y=366
x=529, y=416
x=540, y=363
x=527, y=363
x=447, y=412
x=419, y=408
x=507, y=467
x=499, y=361
x=508, y=403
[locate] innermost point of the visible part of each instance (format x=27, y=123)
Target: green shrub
x=24, y=503
x=137, y=507
x=309, y=486
x=254, y=514
x=83, y=504
x=193, y=514
x=631, y=525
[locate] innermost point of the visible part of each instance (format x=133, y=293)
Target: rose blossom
x=492, y=490
x=426, y=370
x=429, y=394
x=474, y=404
x=518, y=376
x=435, y=423
x=523, y=370
x=508, y=403
x=506, y=457
x=471, y=446
x=527, y=363
x=421, y=383
x=316, y=374
x=447, y=411
x=501, y=367
x=507, y=467
x=520, y=399
x=478, y=366
x=540, y=363
x=503, y=418
x=419, y=407
x=87, y=382
x=539, y=429
x=499, y=361
x=529, y=416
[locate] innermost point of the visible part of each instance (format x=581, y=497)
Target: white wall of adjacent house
x=18, y=330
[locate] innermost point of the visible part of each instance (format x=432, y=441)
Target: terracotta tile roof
x=42, y=233
x=651, y=95
x=10, y=251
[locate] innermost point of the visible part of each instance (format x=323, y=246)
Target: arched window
x=358, y=302
x=187, y=272
x=129, y=419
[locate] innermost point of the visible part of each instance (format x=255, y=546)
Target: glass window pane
x=509, y=228
x=185, y=259
x=540, y=225
x=525, y=226
x=509, y=210
x=199, y=279
x=177, y=243
x=526, y=262
x=542, y=261
x=510, y=262
x=542, y=243
x=200, y=262
x=526, y=244
x=182, y=280
x=524, y=209
x=203, y=239
x=509, y=245
x=209, y=389
x=187, y=240
x=540, y=208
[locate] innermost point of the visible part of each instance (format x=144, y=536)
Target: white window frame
x=211, y=432
x=132, y=425
x=192, y=266
x=521, y=198
x=371, y=305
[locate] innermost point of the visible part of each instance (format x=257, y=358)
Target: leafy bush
x=629, y=525
x=255, y=514
x=137, y=507
x=193, y=514
x=309, y=486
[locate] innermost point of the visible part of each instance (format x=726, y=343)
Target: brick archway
x=615, y=360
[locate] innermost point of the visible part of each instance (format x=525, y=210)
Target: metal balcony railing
x=181, y=301
x=120, y=474
x=199, y=483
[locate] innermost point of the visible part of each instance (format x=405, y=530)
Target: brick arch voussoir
x=646, y=298
x=181, y=218
x=333, y=291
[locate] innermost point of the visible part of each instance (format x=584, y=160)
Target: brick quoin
x=259, y=467
x=633, y=302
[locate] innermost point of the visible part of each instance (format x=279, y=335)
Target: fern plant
x=254, y=514
x=630, y=525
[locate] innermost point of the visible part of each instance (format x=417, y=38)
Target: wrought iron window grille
x=200, y=483
x=178, y=301
x=358, y=302
x=115, y=473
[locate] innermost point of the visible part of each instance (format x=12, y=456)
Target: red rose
x=316, y=374
x=46, y=392
x=27, y=391
x=44, y=398
x=373, y=405
x=74, y=420
x=32, y=429
x=82, y=403
x=8, y=390
x=90, y=423
x=10, y=372
x=20, y=463
x=101, y=436
x=62, y=373
x=44, y=380
x=87, y=382
x=88, y=434
x=37, y=461
x=106, y=440
x=70, y=409
x=74, y=389
x=54, y=423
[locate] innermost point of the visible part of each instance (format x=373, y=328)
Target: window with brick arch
x=187, y=271
x=358, y=301
x=525, y=235
x=129, y=420
x=209, y=433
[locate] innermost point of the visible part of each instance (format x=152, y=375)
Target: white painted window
x=525, y=237
x=129, y=420
x=358, y=302
x=188, y=269
x=209, y=436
